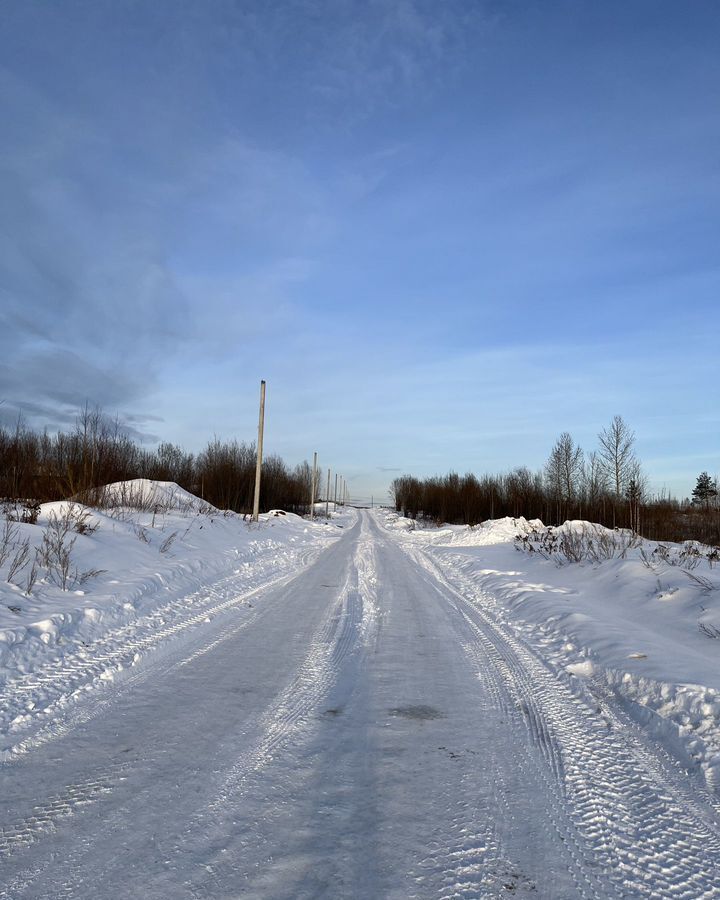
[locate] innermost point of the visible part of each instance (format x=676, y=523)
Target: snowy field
x=358, y=708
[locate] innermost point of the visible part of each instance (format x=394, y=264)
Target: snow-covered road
x=367, y=731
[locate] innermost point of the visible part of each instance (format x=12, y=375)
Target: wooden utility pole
x=313, y=486
x=327, y=498
x=258, y=464
x=336, y=478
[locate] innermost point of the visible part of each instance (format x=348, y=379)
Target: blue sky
x=443, y=232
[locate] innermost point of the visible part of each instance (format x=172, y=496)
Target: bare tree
x=563, y=471
x=617, y=457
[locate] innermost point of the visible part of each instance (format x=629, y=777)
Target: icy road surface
x=363, y=730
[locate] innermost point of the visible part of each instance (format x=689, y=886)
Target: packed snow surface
x=358, y=708
x=638, y=617
x=138, y=575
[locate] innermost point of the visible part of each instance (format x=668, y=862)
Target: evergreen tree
x=704, y=490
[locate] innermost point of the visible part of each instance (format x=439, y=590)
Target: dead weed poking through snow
x=578, y=543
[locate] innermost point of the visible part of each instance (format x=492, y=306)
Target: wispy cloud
x=449, y=230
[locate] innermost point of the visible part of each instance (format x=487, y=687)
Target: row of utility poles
x=315, y=486
x=340, y=483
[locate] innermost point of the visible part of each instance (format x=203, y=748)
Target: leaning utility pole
x=327, y=498
x=258, y=465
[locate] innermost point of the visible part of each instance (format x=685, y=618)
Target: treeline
x=44, y=467
x=606, y=486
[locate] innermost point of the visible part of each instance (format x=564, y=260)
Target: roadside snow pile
x=399, y=523
x=82, y=585
x=146, y=495
x=623, y=614
x=493, y=531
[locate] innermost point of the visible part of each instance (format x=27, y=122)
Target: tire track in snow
x=628, y=811
x=476, y=862
x=465, y=854
x=352, y=620
x=468, y=860
x=47, y=815
x=491, y=665
x=290, y=726
x=53, y=689
x=72, y=870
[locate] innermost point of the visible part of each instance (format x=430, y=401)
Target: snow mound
x=282, y=517
x=395, y=522
x=494, y=531
x=146, y=494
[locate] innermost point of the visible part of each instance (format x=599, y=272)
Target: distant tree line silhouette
x=606, y=486
x=43, y=466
